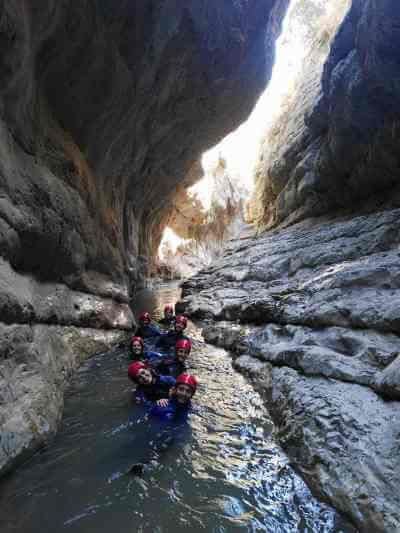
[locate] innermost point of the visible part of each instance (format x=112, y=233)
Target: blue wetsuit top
x=147, y=355
x=147, y=331
x=173, y=412
x=158, y=389
x=167, y=340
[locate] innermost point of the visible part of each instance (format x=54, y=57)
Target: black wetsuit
x=147, y=331
x=168, y=340
x=169, y=366
x=158, y=389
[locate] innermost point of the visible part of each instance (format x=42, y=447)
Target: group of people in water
x=162, y=381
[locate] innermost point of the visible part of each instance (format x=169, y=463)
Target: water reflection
x=225, y=474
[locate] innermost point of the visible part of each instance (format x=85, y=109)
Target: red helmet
x=180, y=319
x=133, y=369
x=137, y=339
x=168, y=307
x=187, y=379
x=185, y=344
x=144, y=316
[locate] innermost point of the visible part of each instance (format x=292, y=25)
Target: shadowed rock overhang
x=105, y=108
x=118, y=100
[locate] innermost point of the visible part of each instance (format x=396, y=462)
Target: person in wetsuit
x=169, y=318
x=150, y=385
x=145, y=328
x=179, y=404
x=174, y=365
x=169, y=339
x=138, y=352
x=171, y=415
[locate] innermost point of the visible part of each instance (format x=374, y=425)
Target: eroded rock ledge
x=316, y=325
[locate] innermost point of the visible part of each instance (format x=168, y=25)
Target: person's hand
x=162, y=403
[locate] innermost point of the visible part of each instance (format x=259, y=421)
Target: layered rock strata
x=315, y=306
x=105, y=107
x=316, y=327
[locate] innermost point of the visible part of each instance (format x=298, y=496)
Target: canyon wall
x=335, y=144
x=309, y=308
x=105, y=108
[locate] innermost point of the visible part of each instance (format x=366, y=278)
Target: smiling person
x=168, y=318
x=150, y=385
x=145, y=328
x=174, y=365
x=169, y=419
x=179, y=404
x=138, y=352
x=168, y=340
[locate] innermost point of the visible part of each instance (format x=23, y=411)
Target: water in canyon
x=225, y=474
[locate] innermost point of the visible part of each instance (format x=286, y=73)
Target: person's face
x=178, y=327
x=136, y=348
x=168, y=313
x=183, y=393
x=181, y=354
x=145, y=321
x=144, y=376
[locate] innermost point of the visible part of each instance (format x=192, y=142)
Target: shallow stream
x=226, y=474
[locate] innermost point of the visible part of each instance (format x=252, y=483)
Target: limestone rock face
x=335, y=144
x=105, y=108
x=37, y=362
x=341, y=437
x=315, y=322
x=117, y=100
x=314, y=302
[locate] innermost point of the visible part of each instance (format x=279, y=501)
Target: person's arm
x=152, y=356
x=168, y=380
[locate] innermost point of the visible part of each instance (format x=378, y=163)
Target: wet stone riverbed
x=225, y=473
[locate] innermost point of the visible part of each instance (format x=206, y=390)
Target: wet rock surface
x=105, y=108
x=315, y=325
x=335, y=144
x=37, y=362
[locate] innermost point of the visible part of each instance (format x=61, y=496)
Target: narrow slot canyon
x=240, y=159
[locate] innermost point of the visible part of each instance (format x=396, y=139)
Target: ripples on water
x=225, y=475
